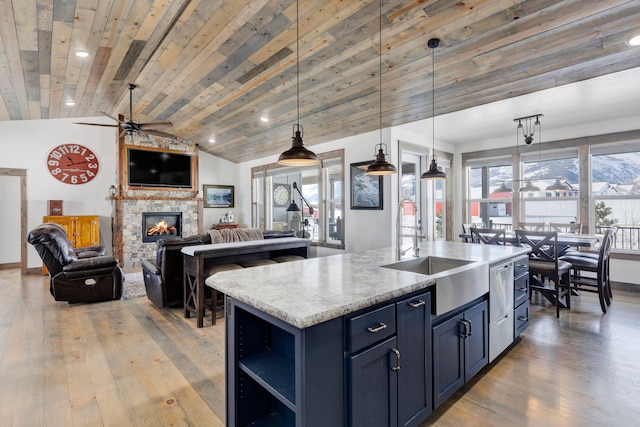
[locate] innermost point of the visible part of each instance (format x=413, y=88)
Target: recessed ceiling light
x=212, y=140
x=70, y=103
x=82, y=54
x=634, y=41
x=264, y=119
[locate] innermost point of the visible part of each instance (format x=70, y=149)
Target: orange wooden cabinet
x=82, y=230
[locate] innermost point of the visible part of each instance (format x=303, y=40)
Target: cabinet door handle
x=374, y=329
x=416, y=304
x=464, y=330
x=397, y=353
x=470, y=328
x=523, y=318
x=523, y=289
x=522, y=265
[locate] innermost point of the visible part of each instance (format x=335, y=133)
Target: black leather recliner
x=163, y=276
x=77, y=275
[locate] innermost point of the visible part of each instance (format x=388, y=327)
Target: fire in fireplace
x=160, y=225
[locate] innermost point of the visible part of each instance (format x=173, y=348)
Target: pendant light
x=434, y=172
x=502, y=188
x=558, y=186
x=298, y=155
x=528, y=131
x=381, y=166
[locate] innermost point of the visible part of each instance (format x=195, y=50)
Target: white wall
x=216, y=171
x=26, y=145
x=10, y=214
x=364, y=229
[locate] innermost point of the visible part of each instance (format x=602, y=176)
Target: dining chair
x=466, y=229
x=545, y=265
x=564, y=227
x=488, y=236
x=592, y=263
x=531, y=226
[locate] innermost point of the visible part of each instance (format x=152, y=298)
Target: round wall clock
x=281, y=195
x=72, y=164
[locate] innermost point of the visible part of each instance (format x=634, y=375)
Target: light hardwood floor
x=124, y=363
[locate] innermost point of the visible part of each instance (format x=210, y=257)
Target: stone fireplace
x=130, y=245
x=160, y=225
x=131, y=204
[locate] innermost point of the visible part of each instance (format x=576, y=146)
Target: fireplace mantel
x=186, y=199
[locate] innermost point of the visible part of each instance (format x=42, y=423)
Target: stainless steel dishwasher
x=500, y=308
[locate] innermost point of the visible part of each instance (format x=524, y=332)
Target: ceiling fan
x=130, y=127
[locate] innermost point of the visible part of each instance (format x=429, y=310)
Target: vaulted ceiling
x=214, y=67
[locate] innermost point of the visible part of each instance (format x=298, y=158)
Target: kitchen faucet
x=416, y=228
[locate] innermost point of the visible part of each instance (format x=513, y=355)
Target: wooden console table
x=198, y=257
x=223, y=225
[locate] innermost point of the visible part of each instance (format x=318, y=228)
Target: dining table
x=566, y=241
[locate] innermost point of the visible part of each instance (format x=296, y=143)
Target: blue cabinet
x=281, y=375
x=390, y=364
x=460, y=349
x=521, y=295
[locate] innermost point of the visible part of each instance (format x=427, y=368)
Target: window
x=306, y=199
x=557, y=177
x=615, y=190
x=490, y=193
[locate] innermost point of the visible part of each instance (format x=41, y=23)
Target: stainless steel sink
x=457, y=281
x=428, y=265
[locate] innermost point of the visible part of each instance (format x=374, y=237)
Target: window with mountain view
x=554, y=179
x=615, y=190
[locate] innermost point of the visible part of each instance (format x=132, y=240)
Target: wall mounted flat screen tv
x=147, y=168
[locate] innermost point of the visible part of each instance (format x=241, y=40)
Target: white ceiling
x=601, y=105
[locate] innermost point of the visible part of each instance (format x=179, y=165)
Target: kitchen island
x=306, y=339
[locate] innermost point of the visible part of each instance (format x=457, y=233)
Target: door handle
x=397, y=354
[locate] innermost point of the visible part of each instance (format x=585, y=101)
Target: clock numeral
x=56, y=171
x=74, y=179
x=64, y=176
x=91, y=174
x=89, y=157
x=93, y=166
x=84, y=178
x=53, y=163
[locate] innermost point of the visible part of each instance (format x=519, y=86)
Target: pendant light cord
x=298, y=61
x=380, y=73
x=433, y=99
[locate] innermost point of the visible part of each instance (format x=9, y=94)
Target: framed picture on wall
x=218, y=196
x=366, y=190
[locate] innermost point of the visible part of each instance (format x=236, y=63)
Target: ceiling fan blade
x=159, y=125
x=111, y=117
x=96, y=124
x=158, y=133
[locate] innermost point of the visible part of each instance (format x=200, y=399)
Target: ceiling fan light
x=434, y=172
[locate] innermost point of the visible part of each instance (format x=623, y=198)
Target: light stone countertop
x=309, y=292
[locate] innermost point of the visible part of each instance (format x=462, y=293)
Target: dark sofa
x=164, y=276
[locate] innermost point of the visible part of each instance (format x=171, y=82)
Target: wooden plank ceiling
x=214, y=67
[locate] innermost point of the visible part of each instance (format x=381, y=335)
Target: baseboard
x=628, y=287
x=9, y=265
x=35, y=270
